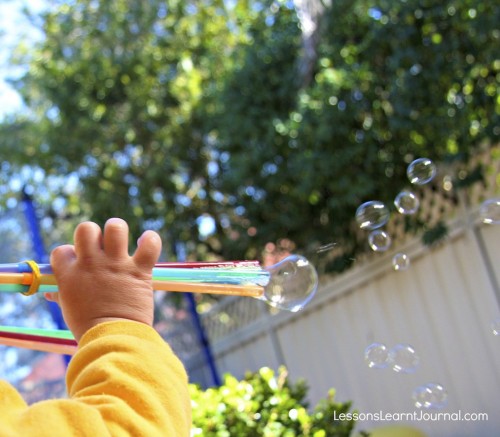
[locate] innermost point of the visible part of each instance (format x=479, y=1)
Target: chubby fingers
x=116, y=238
x=88, y=239
x=148, y=250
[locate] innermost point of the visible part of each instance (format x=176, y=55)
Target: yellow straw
x=203, y=287
x=25, y=279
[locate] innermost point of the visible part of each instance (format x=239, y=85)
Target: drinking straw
x=209, y=264
x=56, y=348
x=288, y=285
x=46, y=268
x=24, y=268
x=232, y=281
x=45, y=340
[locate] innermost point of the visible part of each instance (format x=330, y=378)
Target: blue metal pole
x=202, y=337
x=41, y=256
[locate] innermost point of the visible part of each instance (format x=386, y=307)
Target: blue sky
x=13, y=28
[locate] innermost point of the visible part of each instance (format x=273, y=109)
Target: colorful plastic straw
x=44, y=340
x=232, y=278
x=288, y=285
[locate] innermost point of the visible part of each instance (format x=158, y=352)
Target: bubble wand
x=288, y=285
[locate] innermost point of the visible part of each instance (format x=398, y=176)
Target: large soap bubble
x=292, y=284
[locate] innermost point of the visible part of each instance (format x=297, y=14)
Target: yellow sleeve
x=123, y=381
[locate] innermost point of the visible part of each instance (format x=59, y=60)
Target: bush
x=265, y=404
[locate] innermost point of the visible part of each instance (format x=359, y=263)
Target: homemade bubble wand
x=288, y=285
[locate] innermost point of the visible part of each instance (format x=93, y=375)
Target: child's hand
x=97, y=279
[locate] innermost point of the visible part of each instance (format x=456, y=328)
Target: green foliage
x=265, y=404
x=394, y=81
x=436, y=234
x=171, y=111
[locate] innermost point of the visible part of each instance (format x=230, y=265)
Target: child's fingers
x=148, y=250
x=116, y=237
x=61, y=257
x=88, y=239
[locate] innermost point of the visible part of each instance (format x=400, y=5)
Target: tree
x=173, y=114
x=121, y=95
x=393, y=82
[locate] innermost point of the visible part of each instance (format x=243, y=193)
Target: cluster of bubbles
x=430, y=395
x=374, y=214
x=402, y=358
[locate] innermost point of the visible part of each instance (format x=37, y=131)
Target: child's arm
x=124, y=380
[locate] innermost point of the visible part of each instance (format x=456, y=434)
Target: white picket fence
x=442, y=305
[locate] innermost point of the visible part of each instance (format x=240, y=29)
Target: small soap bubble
x=495, y=326
x=376, y=356
x=400, y=262
x=406, y=203
x=372, y=215
x=379, y=240
x=489, y=211
x=403, y=358
x=421, y=171
x=430, y=395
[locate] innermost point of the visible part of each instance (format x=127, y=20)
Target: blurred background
x=255, y=129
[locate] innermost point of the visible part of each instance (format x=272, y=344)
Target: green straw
x=58, y=333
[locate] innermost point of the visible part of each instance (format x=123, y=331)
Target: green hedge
x=265, y=403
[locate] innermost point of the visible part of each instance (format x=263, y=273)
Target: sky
x=13, y=27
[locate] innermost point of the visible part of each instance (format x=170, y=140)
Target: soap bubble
x=379, y=240
x=430, y=395
x=495, y=326
x=376, y=356
x=406, y=202
x=403, y=358
x=293, y=283
x=421, y=171
x=400, y=262
x=372, y=215
x=490, y=211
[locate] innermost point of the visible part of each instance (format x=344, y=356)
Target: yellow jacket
x=124, y=380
